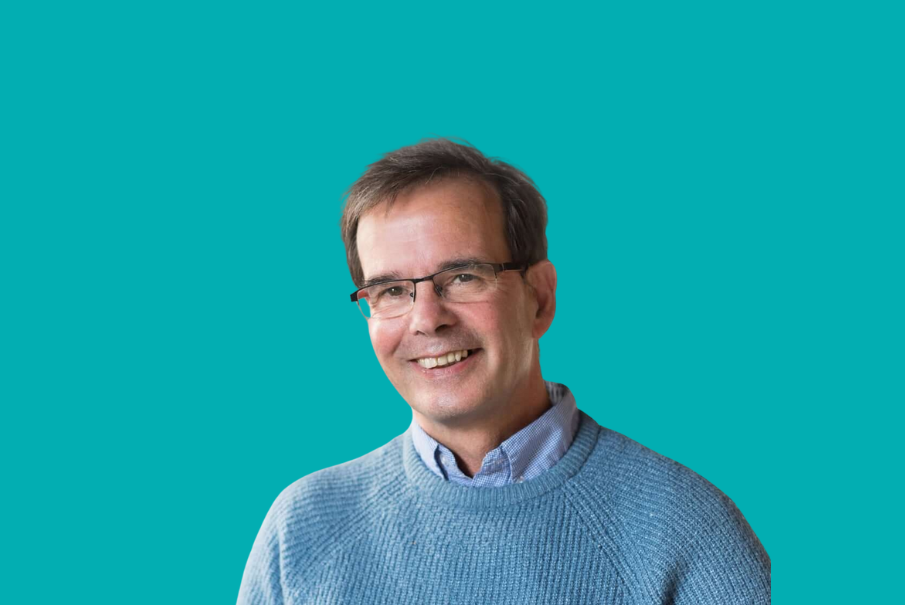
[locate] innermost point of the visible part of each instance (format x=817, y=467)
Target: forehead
x=429, y=226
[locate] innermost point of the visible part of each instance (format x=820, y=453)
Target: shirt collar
x=523, y=456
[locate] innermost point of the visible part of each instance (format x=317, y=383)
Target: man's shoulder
x=338, y=493
x=645, y=488
x=683, y=535
x=344, y=484
x=318, y=516
x=621, y=454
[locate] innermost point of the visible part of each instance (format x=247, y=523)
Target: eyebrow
x=396, y=276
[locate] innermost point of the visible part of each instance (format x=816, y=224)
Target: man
x=501, y=491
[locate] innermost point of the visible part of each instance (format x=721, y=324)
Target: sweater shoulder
x=315, y=517
x=655, y=505
x=324, y=510
x=342, y=489
x=679, y=533
x=636, y=478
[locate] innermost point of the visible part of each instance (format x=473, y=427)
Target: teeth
x=449, y=358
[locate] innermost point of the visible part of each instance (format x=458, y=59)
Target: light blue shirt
x=522, y=457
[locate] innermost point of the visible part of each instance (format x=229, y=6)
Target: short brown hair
x=524, y=208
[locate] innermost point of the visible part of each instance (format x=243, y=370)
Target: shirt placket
x=495, y=470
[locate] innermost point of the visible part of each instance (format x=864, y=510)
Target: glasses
x=473, y=282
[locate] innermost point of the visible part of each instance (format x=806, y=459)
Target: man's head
x=420, y=210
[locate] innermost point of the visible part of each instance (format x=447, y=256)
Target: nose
x=429, y=314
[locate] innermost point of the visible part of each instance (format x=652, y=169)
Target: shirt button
x=520, y=479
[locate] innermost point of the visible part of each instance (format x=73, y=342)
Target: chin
x=448, y=407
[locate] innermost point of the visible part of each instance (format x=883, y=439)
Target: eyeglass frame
x=497, y=269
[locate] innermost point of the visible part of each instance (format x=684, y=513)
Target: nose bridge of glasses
x=431, y=284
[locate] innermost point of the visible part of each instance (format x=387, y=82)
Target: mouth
x=446, y=360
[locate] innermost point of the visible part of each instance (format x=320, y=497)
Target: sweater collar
x=447, y=493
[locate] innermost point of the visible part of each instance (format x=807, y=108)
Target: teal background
x=725, y=196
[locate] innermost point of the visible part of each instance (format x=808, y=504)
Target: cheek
x=506, y=328
x=513, y=333
x=384, y=337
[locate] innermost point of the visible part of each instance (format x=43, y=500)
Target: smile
x=446, y=359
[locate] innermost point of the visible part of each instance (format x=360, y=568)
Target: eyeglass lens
x=459, y=285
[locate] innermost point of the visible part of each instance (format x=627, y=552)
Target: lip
x=440, y=373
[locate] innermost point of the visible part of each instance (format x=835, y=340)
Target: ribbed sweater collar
x=444, y=492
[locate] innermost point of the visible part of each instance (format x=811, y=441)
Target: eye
x=392, y=291
x=464, y=278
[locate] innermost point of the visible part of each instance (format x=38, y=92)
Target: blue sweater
x=611, y=522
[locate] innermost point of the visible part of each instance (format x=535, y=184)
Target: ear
x=542, y=279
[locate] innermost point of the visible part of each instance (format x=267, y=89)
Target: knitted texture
x=611, y=522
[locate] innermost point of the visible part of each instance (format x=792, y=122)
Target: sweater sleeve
x=261, y=582
x=724, y=564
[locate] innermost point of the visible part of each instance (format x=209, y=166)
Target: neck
x=471, y=442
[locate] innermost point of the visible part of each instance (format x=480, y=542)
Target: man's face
x=424, y=231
